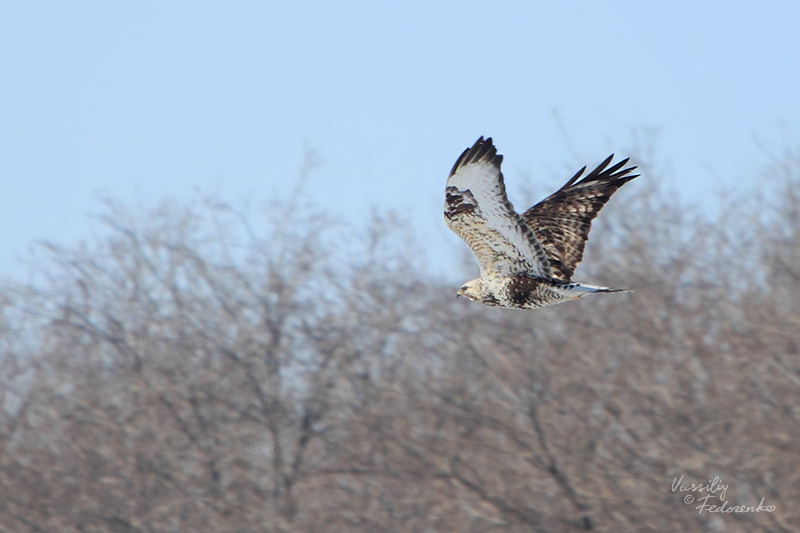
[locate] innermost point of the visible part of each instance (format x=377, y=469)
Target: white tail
x=581, y=287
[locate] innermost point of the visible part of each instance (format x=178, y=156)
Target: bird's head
x=472, y=290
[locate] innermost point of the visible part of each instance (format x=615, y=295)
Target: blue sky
x=144, y=100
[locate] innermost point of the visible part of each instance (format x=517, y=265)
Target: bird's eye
x=464, y=288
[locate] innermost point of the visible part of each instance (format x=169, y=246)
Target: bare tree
x=193, y=370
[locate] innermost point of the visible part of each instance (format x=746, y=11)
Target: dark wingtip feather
x=613, y=173
x=626, y=179
x=598, y=171
x=574, y=178
x=482, y=150
x=616, y=167
x=607, y=160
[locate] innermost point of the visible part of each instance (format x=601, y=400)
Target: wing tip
x=609, y=174
x=482, y=150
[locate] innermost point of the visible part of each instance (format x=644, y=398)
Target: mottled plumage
x=527, y=260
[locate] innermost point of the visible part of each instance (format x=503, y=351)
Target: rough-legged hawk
x=527, y=260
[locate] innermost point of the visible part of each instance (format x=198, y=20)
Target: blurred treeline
x=200, y=369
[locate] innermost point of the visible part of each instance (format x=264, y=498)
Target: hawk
x=527, y=260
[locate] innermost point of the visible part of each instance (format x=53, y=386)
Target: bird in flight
x=527, y=260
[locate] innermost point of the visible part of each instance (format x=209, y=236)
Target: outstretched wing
x=477, y=210
x=562, y=221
